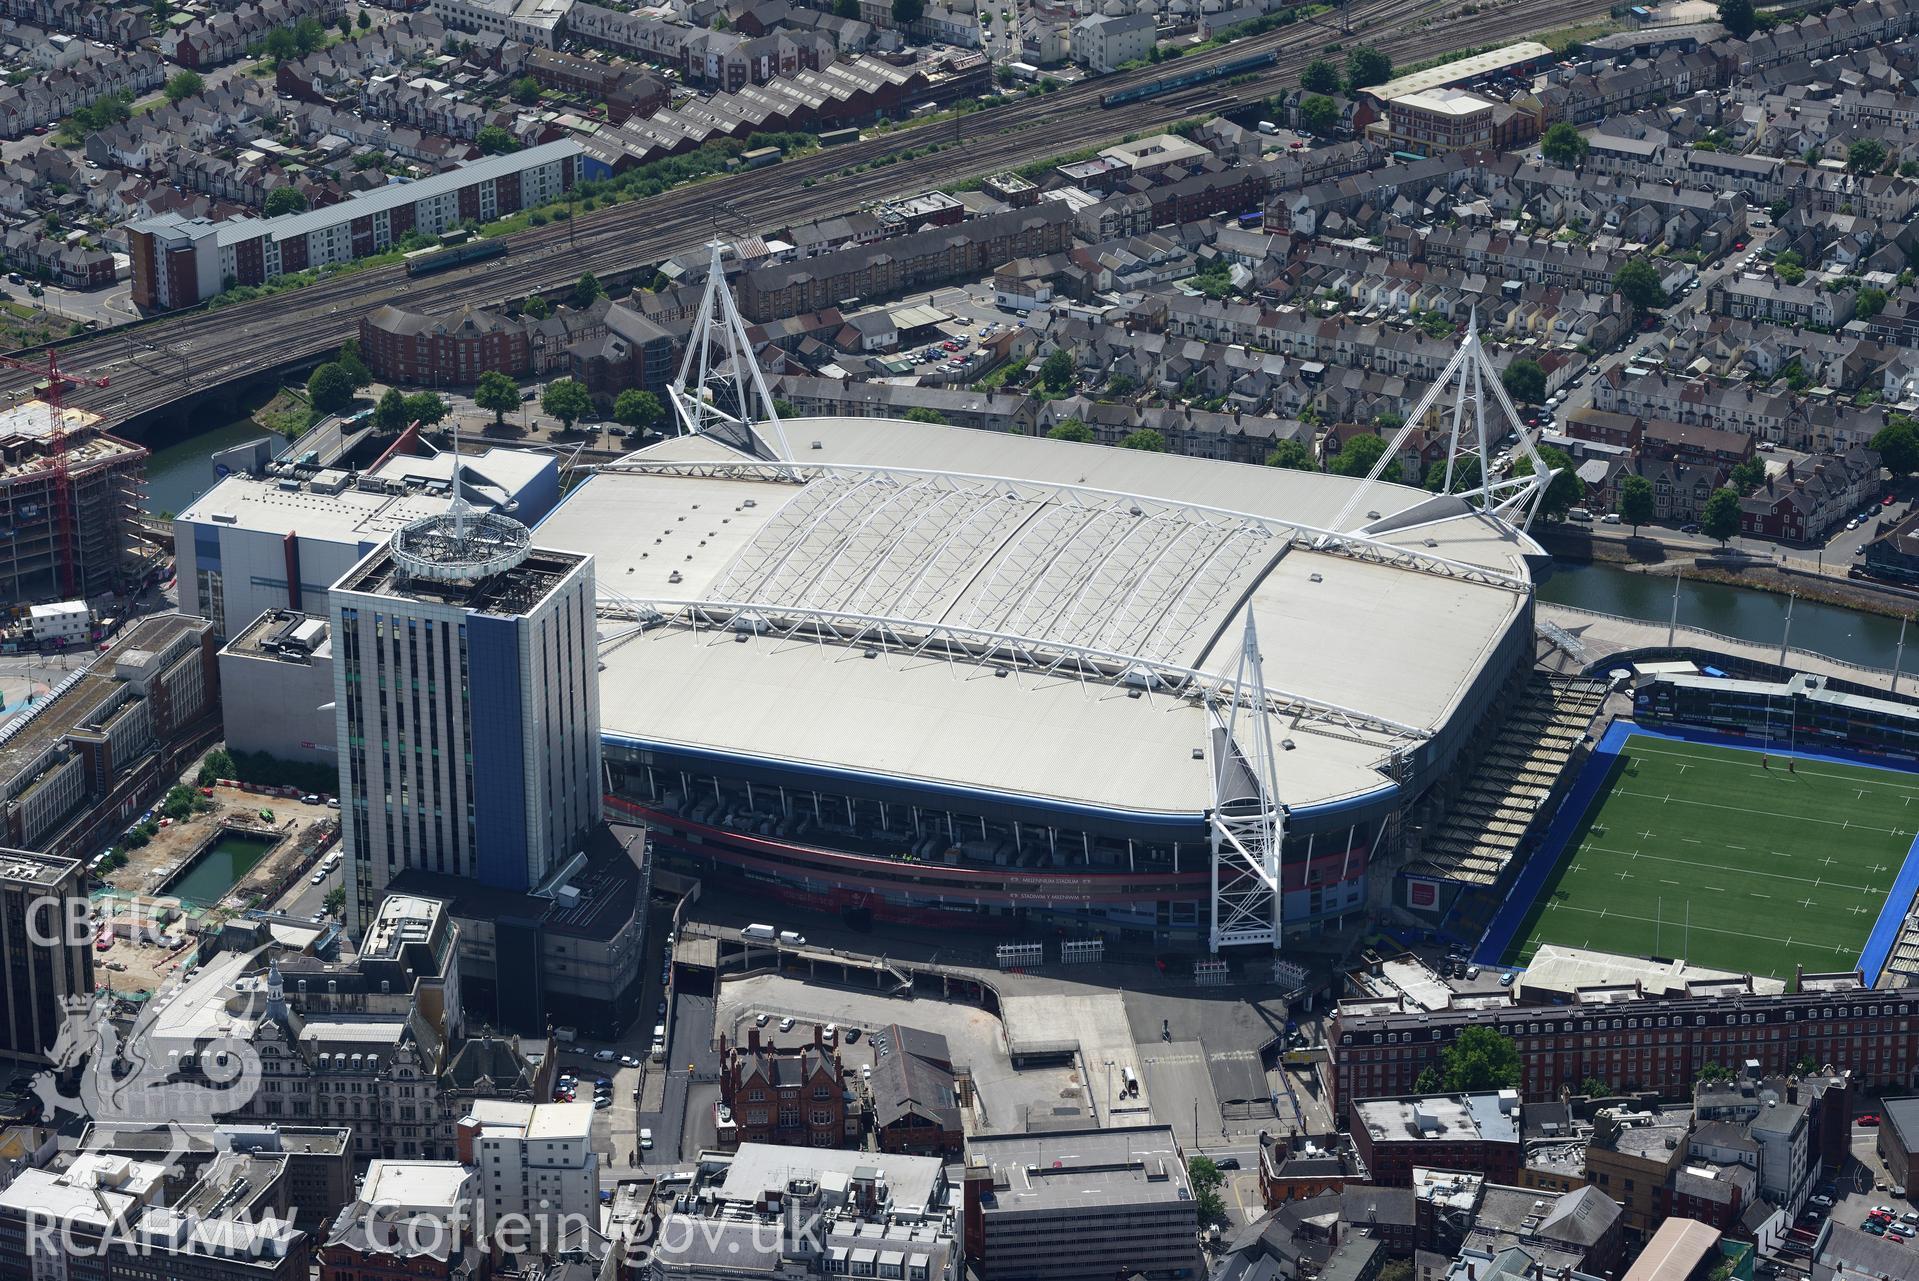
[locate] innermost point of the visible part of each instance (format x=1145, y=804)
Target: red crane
x=56, y=385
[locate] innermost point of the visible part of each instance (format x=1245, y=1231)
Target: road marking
x=1747, y=809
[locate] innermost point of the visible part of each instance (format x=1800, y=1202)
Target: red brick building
x=1478, y=1132
x=406, y=347
x=794, y=1095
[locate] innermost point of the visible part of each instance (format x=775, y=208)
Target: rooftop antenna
x=461, y=545
x=721, y=390
x=1472, y=379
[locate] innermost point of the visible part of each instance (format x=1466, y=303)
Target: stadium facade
x=944, y=674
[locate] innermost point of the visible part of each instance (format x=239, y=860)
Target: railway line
x=153, y=365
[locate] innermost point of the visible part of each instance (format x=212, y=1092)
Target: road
x=157, y=364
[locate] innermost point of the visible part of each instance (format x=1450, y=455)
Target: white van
x=1579, y=513
x=792, y=939
x=764, y=932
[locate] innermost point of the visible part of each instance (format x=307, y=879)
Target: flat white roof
x=415, y=1185
x=1149, y=559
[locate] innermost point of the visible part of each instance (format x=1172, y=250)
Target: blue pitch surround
x=1504, y=929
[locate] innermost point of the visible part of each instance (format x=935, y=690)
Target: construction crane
x=56, y=384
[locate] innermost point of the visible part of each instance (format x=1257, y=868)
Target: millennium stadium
x=959, y=678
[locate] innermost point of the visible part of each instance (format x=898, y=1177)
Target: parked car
x=762, y=1019
x=1869, y=1119
x=629, y=1060
x=605, y=1056
x=646, y=1140
x=786, y=1025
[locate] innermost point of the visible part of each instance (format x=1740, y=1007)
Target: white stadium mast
x=721, y=390
x=1248, y=823
x=1471, y=377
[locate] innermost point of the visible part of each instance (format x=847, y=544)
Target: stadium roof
x=1020, y=616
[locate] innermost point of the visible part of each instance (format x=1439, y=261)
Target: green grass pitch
x=1778, y=868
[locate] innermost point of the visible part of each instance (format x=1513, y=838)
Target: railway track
x=153, y=365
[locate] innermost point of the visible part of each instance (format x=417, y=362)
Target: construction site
x=68, y=490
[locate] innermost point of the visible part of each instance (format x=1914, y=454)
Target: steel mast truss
x=1470, y=376
x=720, y=381
x=1247, y=822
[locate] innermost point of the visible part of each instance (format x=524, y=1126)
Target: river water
x=1731, y=611
x=180, y=472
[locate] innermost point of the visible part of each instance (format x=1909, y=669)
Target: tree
x=285, y=200
x=567, y=400
x=535, y=306
x=1479, y=1059
x=330, y=388
x=1320, y=76
x=1594, y=1088
x=349, y=360
x=1290, y=455
x=639, y=409
x=1524, y=380
x=1318, y=114
x=1898, y=445
x=1357, y=456
x=1749, y=475
x=495, y=141
x=214, y=766
x=497, y=393
x=1635, y=501
x=1868, y=303
x=586, y=289
x=1565, y=490
x=1738, y=17
x=525, y=91
x=280, y=45
x=365, y=22
x=1564, y=145
x=426, y=408
x=183, y=85
x=1465, y=474
x=1714, y=1073
x=1721, y=518
x=1638, y=283
x=848, y=9
x=1056, y=371
x=1366, y=65
x=389, y=414
x=1207, y=1180
x=1866, y=156
x=907, y=12
x=1071, y=429
x=920, y=414
x=335, y=901
x=308, y=35
x=1145, y=438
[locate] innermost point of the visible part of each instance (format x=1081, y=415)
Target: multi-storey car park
x=959, y=677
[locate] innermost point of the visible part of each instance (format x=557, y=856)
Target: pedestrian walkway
x=1600, y=635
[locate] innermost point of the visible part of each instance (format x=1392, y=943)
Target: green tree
x=1594, y=1088
x=1207, y=1180
x=330, y=388
x=1564, y=491
x=1320, y=76
x=1465, y=474
x=1749, y=475
x=183, y=85
x=848, y=9
x=525, y=91
x=1477, y=1060
x=365, y=22
x=496, y=392
x=1524, y=381
x=1056, y=371
x=427, y=408
x=214, y=766
x=639, y=409
x=1357, y=456
x=1145, y=438
x=1714, y=1073
x=1290, y=455
x=567, y=400
x=1071, y=429
x=907, y=12
x=1721, y=518
x=1866, y=156
x=1738, y=17
x=389, y=415
x=349, y=360
x=535, y=306
x=1638, y=283
x=586, y=289
x=1868, y=303
x=1898, y=445
x=1635, y=501
x=1564, y=145
x=285, y=200
x=919, y=414
x=1365, y=66
x=335, y=901
x=280, y=45
x=495, y=141
x=308, y=35
x=1318, y=114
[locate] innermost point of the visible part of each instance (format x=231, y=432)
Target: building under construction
x=38, y=542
